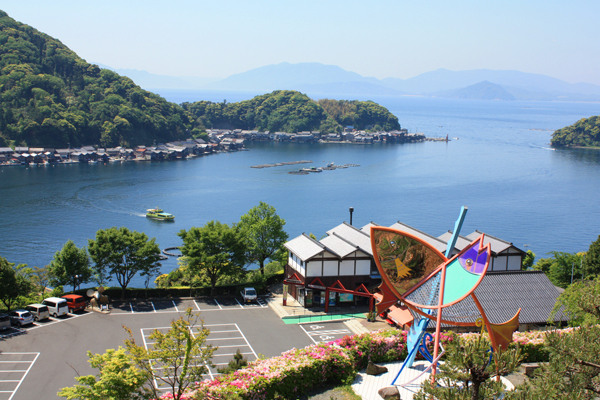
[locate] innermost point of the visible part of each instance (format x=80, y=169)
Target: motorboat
x=159, y=214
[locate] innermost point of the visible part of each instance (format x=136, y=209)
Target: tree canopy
x=263, y=230
x=291, y=111
x=51, y=97
x=585, y=133
x=124, y=254
x=70, y=266
x=12, y=283
x=213, y=251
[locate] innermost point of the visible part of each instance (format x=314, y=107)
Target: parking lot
x=179, y=305
x=13, y=330
x=57, y=349
x=13, y=370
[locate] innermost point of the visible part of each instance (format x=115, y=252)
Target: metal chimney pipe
x=351, y=211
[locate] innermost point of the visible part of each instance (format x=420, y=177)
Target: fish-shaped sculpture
x=432, y=285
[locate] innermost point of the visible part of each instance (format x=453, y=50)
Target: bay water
x=498, y=163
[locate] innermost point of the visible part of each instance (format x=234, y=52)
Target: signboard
x=316, y=287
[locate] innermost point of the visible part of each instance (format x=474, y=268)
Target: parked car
x=248, y=294
x=20, y=318
x=39, y=311
x=56, y=306
x=4, y=321
x=75, y=302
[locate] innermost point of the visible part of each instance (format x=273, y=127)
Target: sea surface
x=498, y=163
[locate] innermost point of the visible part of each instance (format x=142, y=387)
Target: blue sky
x=400, y=38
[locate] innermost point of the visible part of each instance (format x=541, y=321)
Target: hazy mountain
x=316, y=78
x=480, y=91
x=288, y=76
x=150, y=81
x=443, y=79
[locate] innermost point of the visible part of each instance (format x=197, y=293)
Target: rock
x=374, y=369
x=389, y=393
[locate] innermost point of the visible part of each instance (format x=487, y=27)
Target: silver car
x=20, y=317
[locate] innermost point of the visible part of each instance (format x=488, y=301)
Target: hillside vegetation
x=291, y=111
x=50, y=97
x=585, y=133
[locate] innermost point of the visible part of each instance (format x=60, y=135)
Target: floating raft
x=281, y=164
x=328, y=168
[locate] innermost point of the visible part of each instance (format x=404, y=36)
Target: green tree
x=118, y=379
x=565, y=268
x=528, y=260
x=263, y=229
x=70, y=266
x=580, y=302
x=573, y=371
x=178, y=358
x=543, y=265
x=591, y=262
x=124, y=254
x=214, y=250
x=468, y=372
x=12, y=283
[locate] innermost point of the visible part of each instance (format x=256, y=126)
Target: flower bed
x=299, y=370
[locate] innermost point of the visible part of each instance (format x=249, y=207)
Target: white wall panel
x=514, y=263
x=363, y=267
x=347, y=268
x=313, y=268
x=330, y=268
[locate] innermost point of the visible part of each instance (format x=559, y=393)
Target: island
x=583, y=133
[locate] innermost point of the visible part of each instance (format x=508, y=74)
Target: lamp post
x=351, y=211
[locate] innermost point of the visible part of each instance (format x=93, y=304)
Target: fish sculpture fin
x=501, y=334
x=385, y=299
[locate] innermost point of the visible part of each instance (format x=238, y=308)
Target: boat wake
x=543, y=148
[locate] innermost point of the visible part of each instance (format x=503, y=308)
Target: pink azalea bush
x=287, y=376
x=297, y=371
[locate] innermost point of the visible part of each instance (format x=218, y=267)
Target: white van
x=56, y=306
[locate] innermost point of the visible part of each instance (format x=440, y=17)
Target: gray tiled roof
x=461, y=241
x=502, y=293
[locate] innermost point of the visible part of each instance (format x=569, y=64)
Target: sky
x=380, y=38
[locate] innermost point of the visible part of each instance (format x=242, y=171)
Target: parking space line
x=175, y=305
x=25, y=372
x=251, y=349
x=153, y=306
x=241, y=306
x=131, y=307
x=197, y=306
x=218, y=304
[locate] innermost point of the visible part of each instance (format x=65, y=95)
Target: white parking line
x=153, y=306
x=240, y=304
x=25, y=371
x=218, y=304
x=175, y=305
x=197, y=306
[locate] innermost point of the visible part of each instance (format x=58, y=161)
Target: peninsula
x=52, y=98
x=583, y=133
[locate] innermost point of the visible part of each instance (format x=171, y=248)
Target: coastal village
x=219, y=140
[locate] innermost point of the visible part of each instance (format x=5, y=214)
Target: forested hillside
x=585, y=132
x=360, y=114
x=51, y=97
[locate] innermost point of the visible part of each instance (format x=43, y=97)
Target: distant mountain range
x=318, y=79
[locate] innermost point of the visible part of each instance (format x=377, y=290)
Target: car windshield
x=26, y=314
x=250, y=292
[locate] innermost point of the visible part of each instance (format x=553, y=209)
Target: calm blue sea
x=500, y=166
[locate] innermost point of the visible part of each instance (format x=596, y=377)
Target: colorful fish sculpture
x=434, y=286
